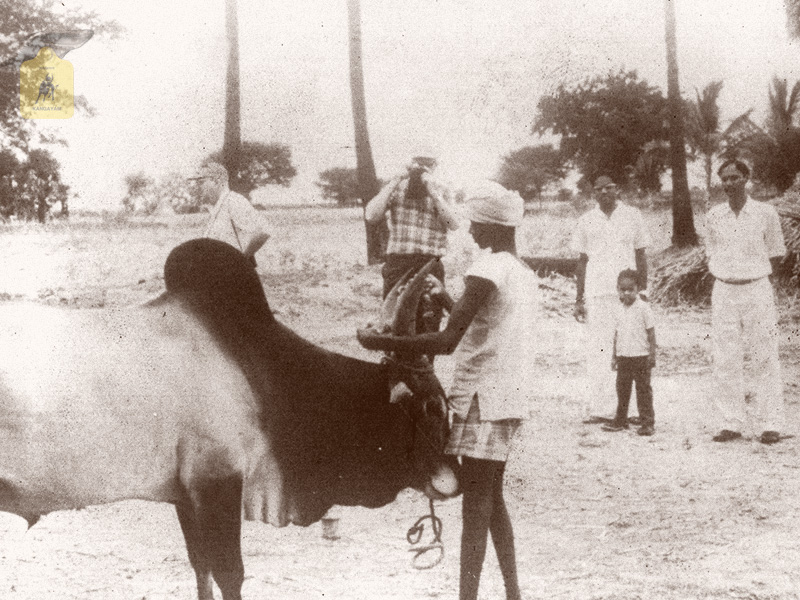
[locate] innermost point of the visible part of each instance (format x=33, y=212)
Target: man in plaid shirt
x=419, y=213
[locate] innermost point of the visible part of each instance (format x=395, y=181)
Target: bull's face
x=416, y=387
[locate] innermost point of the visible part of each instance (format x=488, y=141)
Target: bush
x=339, y=184
x=142, y=196
x=182, y=195
x=564, y=195
x=145, y=196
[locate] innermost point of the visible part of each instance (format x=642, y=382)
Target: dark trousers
x=632, y=369
x=397, y=265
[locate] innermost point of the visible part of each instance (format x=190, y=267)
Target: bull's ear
x=404, y=322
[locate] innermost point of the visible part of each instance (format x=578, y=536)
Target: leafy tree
x=9, y=180
x=41, y=185
x=368, y=183
x=20, y=20
x=530, y=169
x=703, y=132
x=647, y=170
x=340, y=184
x=604, y=122
x=260, y=164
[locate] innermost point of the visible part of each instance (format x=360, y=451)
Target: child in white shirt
x=634, y=354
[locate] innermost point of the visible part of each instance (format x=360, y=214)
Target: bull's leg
x=215, y=525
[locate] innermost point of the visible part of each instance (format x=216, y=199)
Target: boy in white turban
x=491, y=331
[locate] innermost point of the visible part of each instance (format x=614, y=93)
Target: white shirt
x=235, y=221
x=495, y=357
x=611, y=244
x=632, y=323
x=739, y=247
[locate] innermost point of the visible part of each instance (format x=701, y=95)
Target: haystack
x=680, y=276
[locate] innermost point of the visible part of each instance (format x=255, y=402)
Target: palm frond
x=708, y=107
x=794, y=99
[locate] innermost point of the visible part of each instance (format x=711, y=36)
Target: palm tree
x=783, y=105
x=703, y=131
x=232, y=144
x=368, y=184
x=793, y=17
x=683, y=231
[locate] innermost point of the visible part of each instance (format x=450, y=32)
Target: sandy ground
x=596, y=515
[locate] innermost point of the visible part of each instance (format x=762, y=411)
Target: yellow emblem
x=46, y=87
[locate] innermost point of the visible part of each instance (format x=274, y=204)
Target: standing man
x=233, y=219
x=610, y=238
x=419, y=213
x=744, y=246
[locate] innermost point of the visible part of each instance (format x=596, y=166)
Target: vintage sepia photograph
x=394, y=300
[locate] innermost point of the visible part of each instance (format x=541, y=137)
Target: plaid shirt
x=415, y=229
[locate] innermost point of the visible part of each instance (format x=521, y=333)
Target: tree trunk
x=683, y=231
x=368, y=184
x=232, y=144
x=708, y=182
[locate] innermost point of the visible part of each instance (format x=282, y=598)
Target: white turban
x=490, y=202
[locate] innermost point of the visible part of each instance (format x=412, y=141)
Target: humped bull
x=203, y=400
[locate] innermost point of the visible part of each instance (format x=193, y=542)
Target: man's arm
x=377, y=207
x=580, y=284
x=256, y=241
x=477, y=292
x=246, y=218
x=444, y=206
x=651, y=342
x=614, y=353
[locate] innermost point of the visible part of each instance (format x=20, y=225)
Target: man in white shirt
x=609, y=239
x=744, y=245
x=233, y=219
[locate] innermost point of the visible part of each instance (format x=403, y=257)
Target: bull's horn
x=406, y=312
x=389, y=308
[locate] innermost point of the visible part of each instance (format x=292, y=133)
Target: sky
x=456, y=78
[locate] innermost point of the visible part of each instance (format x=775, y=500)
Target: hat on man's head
x=603, y=181
x=427, y=162
x=489, y=202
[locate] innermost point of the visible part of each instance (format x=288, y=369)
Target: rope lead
x=414, y=535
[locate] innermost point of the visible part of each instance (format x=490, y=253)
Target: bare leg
x=484, y=510
x=503, y=538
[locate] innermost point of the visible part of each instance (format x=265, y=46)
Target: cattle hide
x=331, y=435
